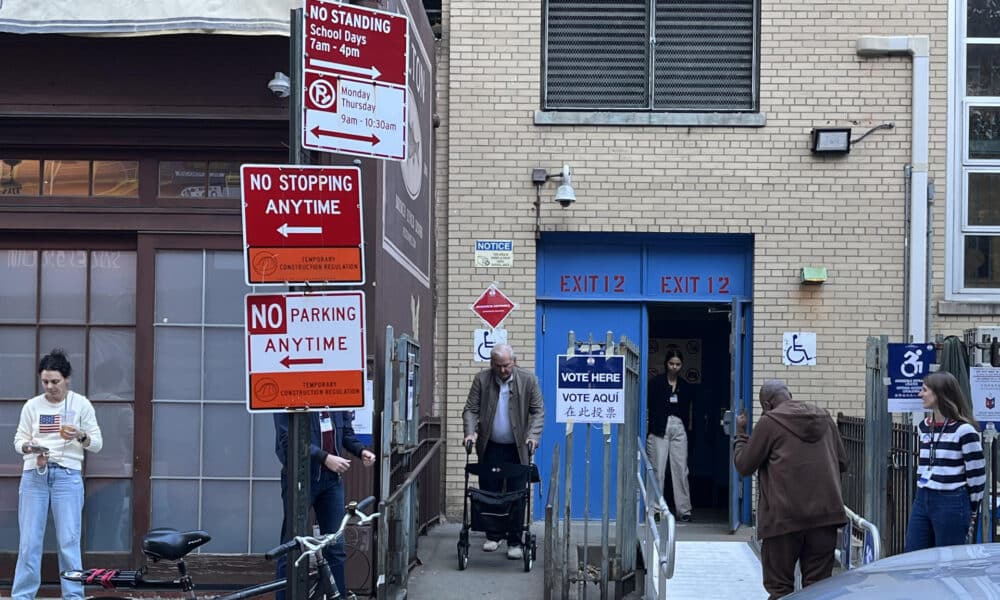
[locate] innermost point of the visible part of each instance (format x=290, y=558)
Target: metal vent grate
x=597, y=55
x=704, y=55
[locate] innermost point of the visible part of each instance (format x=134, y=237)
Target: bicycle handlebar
x=313, y=545
x=281, y=550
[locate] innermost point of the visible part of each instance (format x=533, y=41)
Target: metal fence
x=900, y=476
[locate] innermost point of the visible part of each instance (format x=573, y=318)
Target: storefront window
x=43, y=305
x=199, y=179
x=213, y=463
x=74, y=178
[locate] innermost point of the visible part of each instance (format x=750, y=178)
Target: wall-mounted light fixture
x=565, y=195
x=813, y=275
x=831, y=140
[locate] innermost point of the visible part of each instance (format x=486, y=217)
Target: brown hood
x=808, y=422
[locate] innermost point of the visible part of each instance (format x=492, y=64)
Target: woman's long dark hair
x=951, y=402
x=672, y=353
x=56, y=361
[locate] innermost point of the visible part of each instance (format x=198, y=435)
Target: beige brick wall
x=845, y=213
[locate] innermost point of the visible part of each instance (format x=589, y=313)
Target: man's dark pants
x=498, y=454
x=327, y=501
x=813, y=548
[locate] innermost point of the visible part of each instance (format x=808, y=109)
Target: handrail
x=666, y=545
x=864, y=524
x=414, y=474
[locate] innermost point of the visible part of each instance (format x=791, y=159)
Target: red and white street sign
x=493, y=306
x=305, y=351
x=302, y=225
x=354, y=41
x=354, y=62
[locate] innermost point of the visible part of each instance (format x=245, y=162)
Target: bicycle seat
x=164, y=543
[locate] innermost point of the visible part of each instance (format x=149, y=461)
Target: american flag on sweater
x=48, y=423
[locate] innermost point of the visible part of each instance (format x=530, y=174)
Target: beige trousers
x=672, y=447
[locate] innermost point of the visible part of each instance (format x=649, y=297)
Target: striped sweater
x=958, y=458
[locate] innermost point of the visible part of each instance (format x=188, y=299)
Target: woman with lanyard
x=951, y=471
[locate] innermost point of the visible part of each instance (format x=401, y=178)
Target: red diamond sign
x=493, y=306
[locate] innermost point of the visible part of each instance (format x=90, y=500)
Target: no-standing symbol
x=493, y=306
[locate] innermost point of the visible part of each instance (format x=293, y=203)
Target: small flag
x=48, y=423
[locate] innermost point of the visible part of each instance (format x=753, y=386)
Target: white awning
x=145, y=17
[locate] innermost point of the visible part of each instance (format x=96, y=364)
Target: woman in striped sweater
x=951, y=471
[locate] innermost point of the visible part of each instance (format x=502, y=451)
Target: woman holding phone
x=54, y=431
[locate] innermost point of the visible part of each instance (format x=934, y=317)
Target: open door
x=740, y=380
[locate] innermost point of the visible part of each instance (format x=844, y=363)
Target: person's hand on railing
x=470, y=440
x=532, y=445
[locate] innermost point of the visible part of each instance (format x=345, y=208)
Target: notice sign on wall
x=494, y=253
x=305, y=351
x=984, y=384
x=590, y=389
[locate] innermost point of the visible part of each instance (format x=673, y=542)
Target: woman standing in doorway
x=669, y=406
x=951, y=472
x=55, y=429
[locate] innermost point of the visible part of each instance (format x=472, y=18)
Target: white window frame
x=959, y=165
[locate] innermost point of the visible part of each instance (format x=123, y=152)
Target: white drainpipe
x=918, y=47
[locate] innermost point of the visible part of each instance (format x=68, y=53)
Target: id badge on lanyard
x=325, y=422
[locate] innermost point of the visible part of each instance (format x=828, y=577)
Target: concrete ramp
x=705, y=570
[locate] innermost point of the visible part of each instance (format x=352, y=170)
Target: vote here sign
x=302, y=225
x=305, y=351
x=590, y=389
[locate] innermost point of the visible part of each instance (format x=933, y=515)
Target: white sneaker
x=490, y=546
x=515, y=553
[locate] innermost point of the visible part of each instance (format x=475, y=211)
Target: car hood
x=971, y=571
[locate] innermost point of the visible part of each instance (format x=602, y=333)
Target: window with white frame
x=650, y=55
x=978, y=246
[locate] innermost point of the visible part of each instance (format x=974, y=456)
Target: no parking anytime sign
x=590, y=389
x=305, y=351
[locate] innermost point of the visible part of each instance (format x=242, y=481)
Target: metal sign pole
x=298, y=478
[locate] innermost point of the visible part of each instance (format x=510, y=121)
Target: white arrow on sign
x=370, y=72
x=287, y=229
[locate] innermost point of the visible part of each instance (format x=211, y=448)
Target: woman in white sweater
x=55, y=429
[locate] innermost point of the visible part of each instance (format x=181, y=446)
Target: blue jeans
x=938, y=518
x=62, y=489
x=327, y=501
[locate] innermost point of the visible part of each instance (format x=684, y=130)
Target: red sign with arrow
x=354, y=41
x=302, y=224
x=354, y=62
x=493, y=306
x=305, y=351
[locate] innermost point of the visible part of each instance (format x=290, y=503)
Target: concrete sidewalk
x=489, y=574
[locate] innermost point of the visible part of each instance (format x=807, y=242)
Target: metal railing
x=552, y=562
x=397, y=538
x=900, y=473
x=862, y=534
x=658, y=542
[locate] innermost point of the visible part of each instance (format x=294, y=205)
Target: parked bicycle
x=170, y=544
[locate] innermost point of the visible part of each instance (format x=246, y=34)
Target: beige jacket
x=527, y=411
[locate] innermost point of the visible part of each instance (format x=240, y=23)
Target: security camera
x=281, y=85
x=565, y=197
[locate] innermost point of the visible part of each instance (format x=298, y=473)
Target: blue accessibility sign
x=906, y=368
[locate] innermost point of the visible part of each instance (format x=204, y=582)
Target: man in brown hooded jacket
x=798, y=451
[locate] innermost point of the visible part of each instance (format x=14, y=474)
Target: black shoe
x=686, y=518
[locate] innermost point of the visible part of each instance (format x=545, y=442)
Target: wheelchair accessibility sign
x=907, y=365
x=798, y=348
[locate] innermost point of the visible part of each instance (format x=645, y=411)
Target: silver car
x=971, y=571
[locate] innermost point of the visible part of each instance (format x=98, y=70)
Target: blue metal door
x=586, y=320
x=740, y=399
